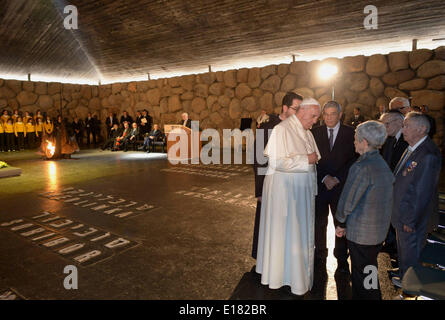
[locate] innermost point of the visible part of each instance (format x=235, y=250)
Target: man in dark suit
x=153, y=135
x=113, y=134
x=148, y=118
x=90, y=127
x=415, y=192
x=132, y=137
x=185, y=120
x=357, y=118
x=110, y=121
x=126, y=117
x=395, y=145
x=335, y=142
x=291, y=102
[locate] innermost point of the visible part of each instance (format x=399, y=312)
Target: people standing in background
x=111, y=121
x=126, y=117
x=335, y=142
x=5, y=116
x=357, y=118
x=382, y=110
x=39, y=130
x=143, y=128
x=148, y=118
x=96, y=129
x=138, y=117
x=401, y=104
x=30, y=133
x=9, y=135
x=26, y=117
x=90, y=129
x=78, y=130
x=261, y=118
x=19, y=131
x=48, y=126
x=37, y=116
x=15, y=115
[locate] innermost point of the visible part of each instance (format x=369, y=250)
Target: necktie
x=331, y=138
x=402, y=161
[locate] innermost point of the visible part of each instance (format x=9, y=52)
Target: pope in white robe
x=286, y=236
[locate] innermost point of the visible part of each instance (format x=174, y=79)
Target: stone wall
x=220, y=99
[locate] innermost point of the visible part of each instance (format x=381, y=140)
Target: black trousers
x=321, y=226
x=31, y=140
x=20, y=140
x=2, y=142
x=10, y=141
x=92, y=132
x=108, y=144
x=256, y=230
x=362, y=256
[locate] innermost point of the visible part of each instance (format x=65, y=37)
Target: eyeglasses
x=296, y=109
x=389, y=122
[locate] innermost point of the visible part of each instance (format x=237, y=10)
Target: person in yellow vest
x=2, y=137
x=30, y=133
x=48, y=126
x=19, y=131
x=5, y=116
x=39, y=130
x=9, y=135
x=15, y=115
x=26, y=117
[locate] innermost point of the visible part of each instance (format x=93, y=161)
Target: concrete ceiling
x=124, y=40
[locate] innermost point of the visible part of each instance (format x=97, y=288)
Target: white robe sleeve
x=280, y=158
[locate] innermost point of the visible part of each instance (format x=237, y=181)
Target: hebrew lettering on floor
x=79, y=243
x=98, y=202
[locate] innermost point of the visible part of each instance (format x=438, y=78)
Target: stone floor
x=159, y=231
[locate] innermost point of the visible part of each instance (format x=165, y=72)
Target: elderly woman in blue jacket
x=364, y=209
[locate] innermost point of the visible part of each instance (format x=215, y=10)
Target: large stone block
x=414, y=84
x=28, y=86
x=435, y=100
x=242, y=90
x=271, y=84
x=189, y=95
x=377, y=65
x=230, y=78
x=431, y=68
x=249, y=104
x=153, y=96
x=41, y=88
x=437, y=83
x=366, y=98
x=266, y=102
x=142, y=86
x=217, y=89
x=394, y=78
x=398, y=61
x=174, y=103
x=353, y=64
x=54, y=87
x=242, y=76
x=208, y=78
x=94, y=104
x=45, y=102
x=393, y=92
x=13, y=104
x=174, y=82
x=117, y=87
x=439, y=53
x=7, y=93
x=382, y=101
x=278, y=98
x=268, y=71
x=211, y=100
x=289, y=83
x=224, y=101
x=299, y=68
x=254, y=79
x=235, y=109
x=201, y=90
x=357, y=81
x=418, y=57
x=198, y=104
x=305, y=92
x=14, y=85
x=229, y=93
x=26, y=98
x=377, y=87
x=283, y=70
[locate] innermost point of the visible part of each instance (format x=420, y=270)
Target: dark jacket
x=416, y=189
x=157, y=134
x=366, y=199
x=392, y=151
x=335, y=162
x=109, y=123
x=266, y=129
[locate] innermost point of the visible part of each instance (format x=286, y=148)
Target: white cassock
x=286, y=238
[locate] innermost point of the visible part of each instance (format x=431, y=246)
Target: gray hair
x=420, y=120
x=404, y=101
x=373, y=132
x=393, y=116
x=332, y=104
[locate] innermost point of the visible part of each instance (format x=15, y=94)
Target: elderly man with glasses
x=401, y=104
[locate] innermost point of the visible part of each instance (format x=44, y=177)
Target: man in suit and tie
x=290, y=103
x=153, y=135
x=395, y=145
x=335, y=142
x=357, y=118
x=401, y=104
x=90, y=127
x=415, y=192
x=110, y=121
x=186, y=122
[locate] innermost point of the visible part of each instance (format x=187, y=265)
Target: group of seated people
x=126, y=137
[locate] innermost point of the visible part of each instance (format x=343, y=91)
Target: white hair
x=404, y=101
x=310, y=102
x=420, y=120
x=373, y=132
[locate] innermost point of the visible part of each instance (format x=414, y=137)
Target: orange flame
x=51, y=148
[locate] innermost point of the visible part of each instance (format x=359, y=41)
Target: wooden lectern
x=181, y=136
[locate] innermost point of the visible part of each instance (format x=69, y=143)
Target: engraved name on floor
x=98, y=202
x=10, y=294
x=81, y=244
x=233, y=198
x=213, y=171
